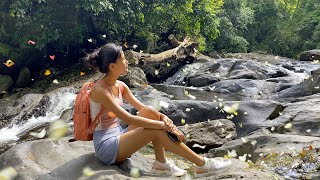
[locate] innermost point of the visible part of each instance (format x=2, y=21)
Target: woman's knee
x=149, y=112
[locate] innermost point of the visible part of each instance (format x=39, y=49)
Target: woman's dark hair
x=103, y=56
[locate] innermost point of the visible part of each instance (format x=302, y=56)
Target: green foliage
x=284, y=27
x=234, y=18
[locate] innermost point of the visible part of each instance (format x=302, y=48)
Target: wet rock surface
x=274, y=131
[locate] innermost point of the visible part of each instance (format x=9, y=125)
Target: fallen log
x=159, y=67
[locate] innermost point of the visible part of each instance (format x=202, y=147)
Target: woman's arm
x=100, y=95
x=130, y=98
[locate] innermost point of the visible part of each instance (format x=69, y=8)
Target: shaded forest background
x=68, y=29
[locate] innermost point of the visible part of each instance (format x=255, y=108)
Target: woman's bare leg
x=136, y=138
x=132, y=141
x=151, y=113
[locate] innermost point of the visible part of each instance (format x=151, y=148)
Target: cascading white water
x=60, y=100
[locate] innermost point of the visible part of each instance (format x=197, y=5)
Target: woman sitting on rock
x=113, y=144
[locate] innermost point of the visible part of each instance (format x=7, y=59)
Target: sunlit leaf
x=134, y=46
x=90, y=40
x=82, y=73
x=303, y=153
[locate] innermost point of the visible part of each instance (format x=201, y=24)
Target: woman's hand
x=179, y=134
x=168, y=123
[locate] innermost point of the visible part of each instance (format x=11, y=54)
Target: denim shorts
x=106, y=144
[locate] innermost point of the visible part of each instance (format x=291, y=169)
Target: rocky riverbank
x=272, y=132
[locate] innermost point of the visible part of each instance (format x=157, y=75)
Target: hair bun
x=93, y=58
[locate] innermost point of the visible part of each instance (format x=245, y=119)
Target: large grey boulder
x=310, y=55
x=24, y=78
x=60, y=159
x=308, y=86
x=303, y=114
x=134, y=76
x=5, y=84
x=246, y=88
x=252, y=115
x=19, y=110
x=210, y=133
x=277, y=152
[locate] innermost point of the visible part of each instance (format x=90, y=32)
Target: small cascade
x=59, y=100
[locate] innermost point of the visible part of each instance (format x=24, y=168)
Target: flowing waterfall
x=60, y=100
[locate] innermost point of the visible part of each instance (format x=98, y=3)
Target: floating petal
x=58, y=129
x=244, y=140
x=31, y=42
x=87, y=171
x=199, y=146
x=47, y=72
x=8, y=173
x=288, y=126
x=135, y=172
x=39, y=135
x=163, y=104
x=9, y=63
x=183, y=121
x=55, y=81
x=254, y=142
x=232, y=154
